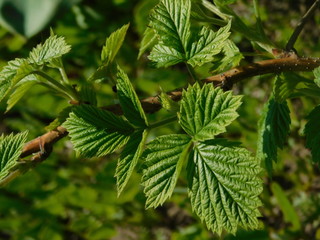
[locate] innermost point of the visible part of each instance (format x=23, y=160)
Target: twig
x=152, y=104
x=301, y=24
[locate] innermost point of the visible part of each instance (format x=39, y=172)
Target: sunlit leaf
x=129, y=158
x=205, y=112
x=10, y=150
x=95, y=132
x=129, y=100
x=223, y=186
x=164, y=159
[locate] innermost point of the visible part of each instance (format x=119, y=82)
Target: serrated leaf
x=62, y=117
x=223, y=186
x=10, y=150
x=167, y=103
x=207, y=44
x=88, y=95
x=205, y=112
x=149, y=40
x=109, y=51
x=170, y=20
x=7, y=74
x=312, y=132
x=285, y=85
x=164, y=159
x=54, y=47
x=273, y=131
x=129, y=158
x=129, y=100
x=316, y=73
x=164, y=56
x=231, y=58
x=95, y=132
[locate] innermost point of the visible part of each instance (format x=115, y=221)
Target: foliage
x=200, y=158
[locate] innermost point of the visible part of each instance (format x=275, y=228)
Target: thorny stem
x=300, y=25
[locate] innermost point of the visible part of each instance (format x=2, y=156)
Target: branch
x=152, y=104
x=301, y=24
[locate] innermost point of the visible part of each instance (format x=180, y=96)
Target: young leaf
x=285, y=85
x=223, y=185
x=231, y=58
x=129, y=100
x=54, y=47
x=205, y=112
x=207, y=45
x=164, y=159
x=274, y=129
x=95, y=132
x=129, y=158
x=109, y=52
x=10, y=150
x=6, y=76
x=312, y=132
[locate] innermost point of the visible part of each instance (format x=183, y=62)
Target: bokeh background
x=70, y=197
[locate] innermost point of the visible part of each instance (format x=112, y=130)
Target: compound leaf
x=54, y=47
x=129, y=158
x=129, y=100
x=274, y=129
x=205, y=112
x=95, y=132
x=10, y=150
x=223, y=185
x=312, y=132
x=164, y=159
x=164, y=56
x=149, y=40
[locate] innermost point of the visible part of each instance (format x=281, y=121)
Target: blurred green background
x=69, y=197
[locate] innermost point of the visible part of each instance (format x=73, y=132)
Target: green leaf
x=312, y=132
x=205, y=112
x=164, y=56
x=289, y=213
x=129, y=158
x=54, y=47
x=129, y=100
x=316, y=73
x=274, y=129
x=10, y=150
x=109, y=51
x=113, y=44
x=20, y=90
x=167, y=103
x=170, y=20
x=164, y=159
x=207, y=45
x=231, y=58
x=62, y=117
x=7, y=74
x=95, y=132
x=285, y=85
x=149, y=40
x=223, y=185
